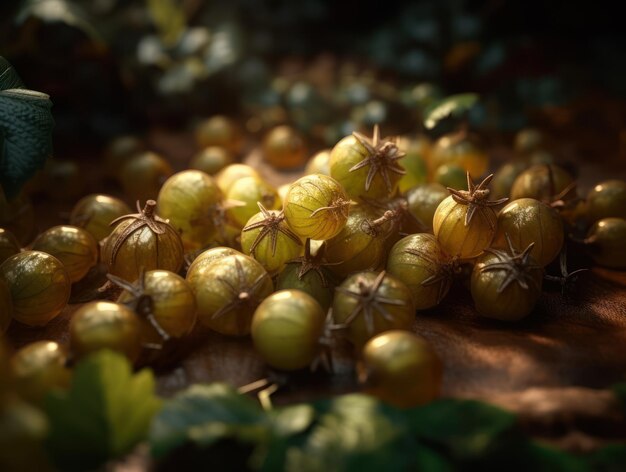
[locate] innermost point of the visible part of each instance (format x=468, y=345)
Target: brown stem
x=372, y=227
x=148, y=210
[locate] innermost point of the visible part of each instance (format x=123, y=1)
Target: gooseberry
x=76, y=248
x=142, y=241
x=219, y=131
x=164, y=302
x=368, y=303
x=526, y=221
x=421, y=264
x=319, y=163
x=465, y=222
x=451, y=175
x=105, y=325
x=282, y=191
x=415, y=161
x=143, y=174
x=228, y=291
x=185, y=200
x=460, y=149
x=284, y=148
x=360, y=245
x=505, y=176
x=210, y=255
x=607, y=199
x=423, y=202
x=230, y=174
x=316, y=207
x=401, y=369
x=506, y=285
x=38, y=368
x=286, y=329
x=546, y=183
x=528, y=140
x=94, y=213
x=227, y=230
x=246, y=192
x=366, y=167
x=39, y=286
x=541, y=156
x=605, y=242
x=395, y=219
x=268, y=238
x=211, y=160
x=310, y=274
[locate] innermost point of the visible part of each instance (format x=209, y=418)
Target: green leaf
x=546, y=459
x=208, y=422
x=25, y=131
x=208, y=426
x=63, y=11
x=353, y=432
x=292, y=419
x=203, y=414
x=8, y=76
x=608, y=459
x=428, y=460
x=455, y=105
x=288, y=427
x=467, y=429
x=107, y=411
x=356, y=432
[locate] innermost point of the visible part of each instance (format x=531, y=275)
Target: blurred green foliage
x=312, y=63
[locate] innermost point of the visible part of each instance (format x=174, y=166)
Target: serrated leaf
x=25, y=131
x=355, y=432
x=203, y=414
x=106, y=412
x=454, y=105
x=26, y=126
x=466, y=428
x=8, y=76
x=63, y=11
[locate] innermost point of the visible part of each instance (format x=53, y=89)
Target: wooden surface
x=573, y=340
x=569, y=341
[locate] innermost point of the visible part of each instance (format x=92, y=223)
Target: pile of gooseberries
x=376, y=231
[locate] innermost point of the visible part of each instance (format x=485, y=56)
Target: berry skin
x=465, y=222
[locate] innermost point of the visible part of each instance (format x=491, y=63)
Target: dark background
x=560, y=65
